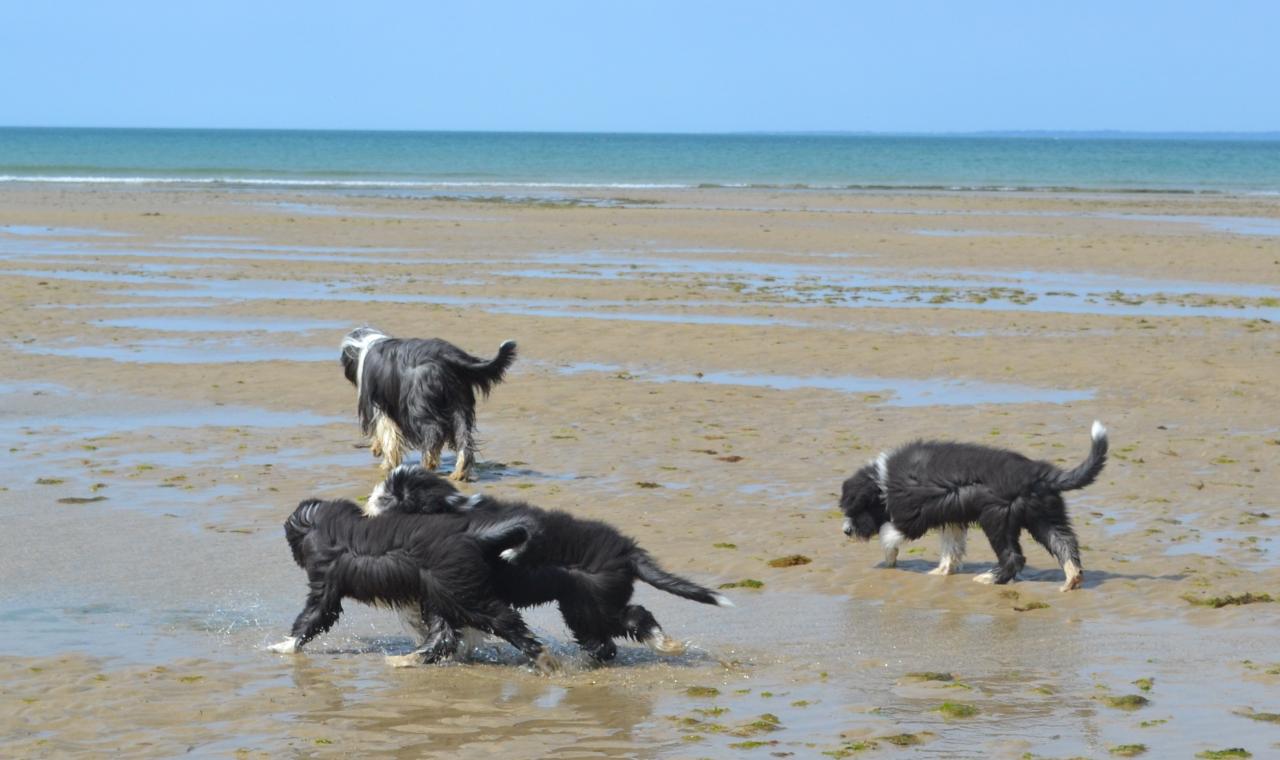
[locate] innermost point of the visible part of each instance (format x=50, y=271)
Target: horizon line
x=1037, y=132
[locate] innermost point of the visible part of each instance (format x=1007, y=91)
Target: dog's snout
x=848, y=526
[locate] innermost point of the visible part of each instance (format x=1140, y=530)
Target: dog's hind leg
x=643, y=627
x=466, y=448
x=584, y=621
x=1003, y=535
x=1060, y=540
x=388, y=440
x=952, y=538
x=431, y=455
x=509, y=625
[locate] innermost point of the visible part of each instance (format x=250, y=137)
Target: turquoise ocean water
x=404, y=161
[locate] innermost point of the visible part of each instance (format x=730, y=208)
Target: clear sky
x=689, y=66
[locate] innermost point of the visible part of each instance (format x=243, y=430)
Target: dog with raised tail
x=419, y=394
x=927, y=485
x=588, y=567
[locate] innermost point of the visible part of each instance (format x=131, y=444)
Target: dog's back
x=922, y=467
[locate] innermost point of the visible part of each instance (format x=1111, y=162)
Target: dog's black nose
x=848, y=530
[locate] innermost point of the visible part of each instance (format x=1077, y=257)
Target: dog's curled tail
x=303, y=518
x=649, y=572
x=507, y=538
x=1088, y=470
x=484, y=375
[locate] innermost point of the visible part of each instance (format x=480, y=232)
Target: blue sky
x=655, y=66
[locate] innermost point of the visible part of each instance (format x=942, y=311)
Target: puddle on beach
x=1237, y=225
x=221, y=323
x=1245, y=547
x=55, y=410
x=806, y=284
x=177, y=351
x=1003, y=292
x=28, y=230
x=900, y=391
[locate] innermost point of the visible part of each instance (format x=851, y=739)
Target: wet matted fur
x=588, y=567
x=437, y=565
x=419, y=394
x=924, y=485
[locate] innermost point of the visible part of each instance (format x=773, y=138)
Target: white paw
x=987, y=578
x=288, y=646
x=663, y=644
x=944, y=569
x=509, y=555
x=411, y=660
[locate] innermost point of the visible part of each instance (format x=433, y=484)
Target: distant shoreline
x=1067, y=134
x=449, y=161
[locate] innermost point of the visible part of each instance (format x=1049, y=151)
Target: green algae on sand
x=1228, y=600
x=1126, y=701
x=791, y=560
x=957, y=710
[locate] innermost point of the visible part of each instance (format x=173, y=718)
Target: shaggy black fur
x=426, y=388
x=931, y=484
x=587, y=566
x=436, y=563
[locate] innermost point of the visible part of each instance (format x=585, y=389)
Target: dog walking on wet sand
x=923, y=485
x=439, y=568
x=587, y=567
x=419, y=394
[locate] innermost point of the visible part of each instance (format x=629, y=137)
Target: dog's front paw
x=547, y=663
x=986, y=578
x=411, y=660
x=945, y=569
x=288, y=646
x=1073, y=582
x=668, y=646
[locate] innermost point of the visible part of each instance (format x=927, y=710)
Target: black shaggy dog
x=586, y=566
x=435, y=565
x=419, y=393
x=929, y=484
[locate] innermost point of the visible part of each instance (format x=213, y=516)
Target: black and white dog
x=419, y=393
x=438, y=566
x=586, y=566
x=908, y=491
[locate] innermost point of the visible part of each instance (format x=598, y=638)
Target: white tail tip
x=724, y=601
x=1099, y=431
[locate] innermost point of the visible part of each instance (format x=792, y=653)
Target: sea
x=436, y=162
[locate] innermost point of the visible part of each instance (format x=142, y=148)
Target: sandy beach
x=701, y=368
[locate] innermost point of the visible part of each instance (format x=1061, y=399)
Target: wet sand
x=702, y=368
